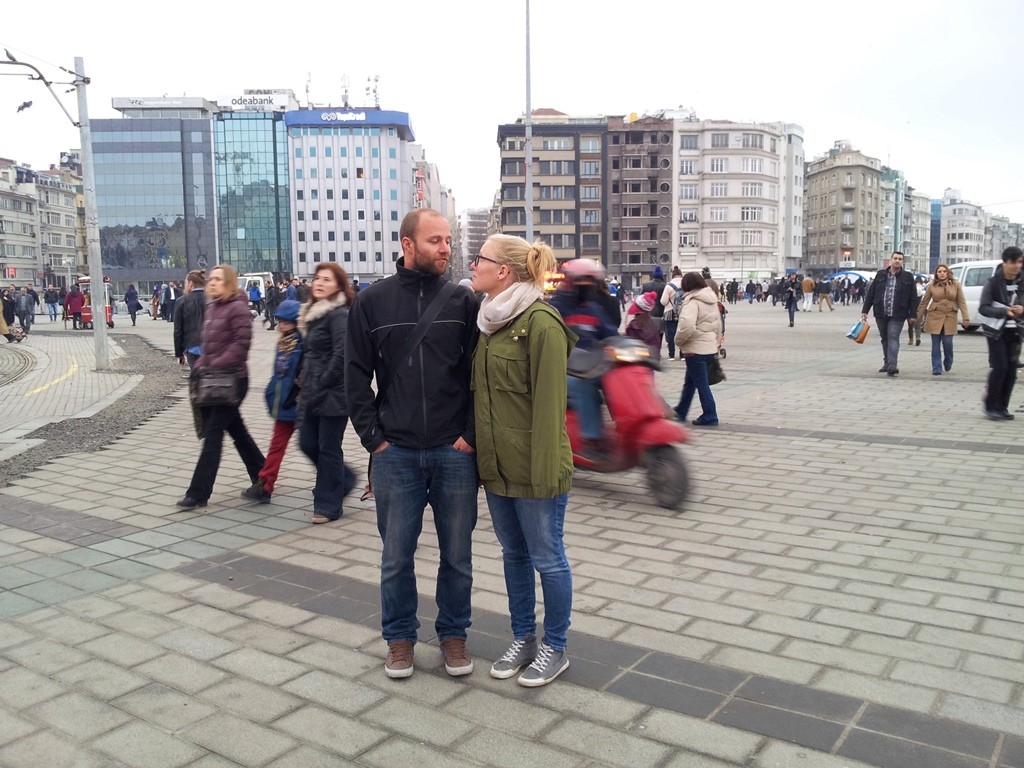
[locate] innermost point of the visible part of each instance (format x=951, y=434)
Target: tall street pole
x=92, y=226
x=528, y=159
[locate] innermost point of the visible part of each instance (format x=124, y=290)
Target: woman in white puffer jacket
x=699, y=337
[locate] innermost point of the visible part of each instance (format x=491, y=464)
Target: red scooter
x=641, y=432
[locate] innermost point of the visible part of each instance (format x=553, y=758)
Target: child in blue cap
x=282, y=394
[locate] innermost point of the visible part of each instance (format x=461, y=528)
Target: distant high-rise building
x=843, y=211
x=19, y=224
x=251, y=167
x=155, y=189
x=935, y=246
x=474, y=231
x=353, y=179
x=658, y=190
x=963, y=229
x=917, y=242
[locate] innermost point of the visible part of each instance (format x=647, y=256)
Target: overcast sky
x=932, y=88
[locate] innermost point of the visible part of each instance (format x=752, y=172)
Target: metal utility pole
x=528, y=158
x=92, y=226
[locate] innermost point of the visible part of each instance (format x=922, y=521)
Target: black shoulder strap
x=425, y=321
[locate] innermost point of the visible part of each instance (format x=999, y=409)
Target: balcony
x=848, y=206
x=847, y=225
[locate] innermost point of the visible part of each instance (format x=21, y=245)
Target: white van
x=972, y=276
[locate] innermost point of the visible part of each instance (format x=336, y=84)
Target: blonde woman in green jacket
x=522, y=448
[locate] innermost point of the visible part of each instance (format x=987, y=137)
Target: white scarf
x=499, y=311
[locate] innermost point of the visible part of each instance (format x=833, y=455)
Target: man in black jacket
x=188, y=319
x=420, y=435
x=893, y=296
x=1001, y=306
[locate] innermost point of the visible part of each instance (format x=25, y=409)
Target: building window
x=688, y=191
x=331, y=236
x=719, y=238
x=359, y=151
x=298, y=151
x=394, y=194
x=298, y=173
x=688, y=141
x=330, y=194
x=688, y=239
x=753, y=165
x=301, y=215
x=590, y=168
x=753, y=141
x=591, y=216
x=688, y=215
x=718, y=213
x=719, y=165
x=315, y=215
x=720, y=189
x=302, y=237
x=590, y=192
x=557, y=144
x=687, y=167
x=298, y=194
x=327, y=153
x=312, y=151
x=392, y=153
x=330, y=215
x=751, y=213
x=753, y=189
x=750, y=237
x=591, y=241
x=374, y=152
x=590, y=144
x=719, y=140
x=316, y=237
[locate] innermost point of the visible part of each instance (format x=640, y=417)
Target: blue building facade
x=253, y=192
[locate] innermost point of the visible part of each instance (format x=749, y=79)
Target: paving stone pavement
x=844, y=588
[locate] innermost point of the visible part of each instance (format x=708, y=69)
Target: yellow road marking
x=70, y=372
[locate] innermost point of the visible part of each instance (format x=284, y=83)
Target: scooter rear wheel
x=667, y=476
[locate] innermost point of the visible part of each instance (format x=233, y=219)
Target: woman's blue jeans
x=697, y=381
x=320, y=439
x=946, y=343
x=530, y=534
x=405, y=480
x=671, y=326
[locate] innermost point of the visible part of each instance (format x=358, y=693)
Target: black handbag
x=716, y=373
x=217, y=388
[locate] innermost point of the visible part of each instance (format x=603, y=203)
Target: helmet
x=579, y=268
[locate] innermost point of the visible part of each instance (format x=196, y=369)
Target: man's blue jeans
x=889, y=330
x=405, y=480
x=585, y=399
x=52, y=309
x=944, y=342
x=530, y=534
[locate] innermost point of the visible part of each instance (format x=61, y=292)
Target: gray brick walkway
x=844, y=588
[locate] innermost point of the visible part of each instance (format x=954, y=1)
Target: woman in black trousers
x=227, y=334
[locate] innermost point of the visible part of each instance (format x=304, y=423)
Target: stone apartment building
x=843, y=211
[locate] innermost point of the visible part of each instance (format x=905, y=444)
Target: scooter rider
x=578, y=302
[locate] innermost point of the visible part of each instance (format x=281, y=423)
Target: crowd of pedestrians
x=452, y=388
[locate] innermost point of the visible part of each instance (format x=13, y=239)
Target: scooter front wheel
x=667, y=476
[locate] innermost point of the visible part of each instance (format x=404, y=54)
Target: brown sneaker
x=399, y=661
x=456, y=658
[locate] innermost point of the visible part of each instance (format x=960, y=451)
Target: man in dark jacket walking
x=420, y=433
x=893, y=297
x=188, y=319
x=1002, y=307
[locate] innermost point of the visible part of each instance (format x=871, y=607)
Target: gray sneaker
x=518, y=655
x=548, y=665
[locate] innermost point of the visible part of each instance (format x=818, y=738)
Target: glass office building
x=154, y=192
x=253, y=213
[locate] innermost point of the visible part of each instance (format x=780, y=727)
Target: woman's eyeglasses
x=479, y=258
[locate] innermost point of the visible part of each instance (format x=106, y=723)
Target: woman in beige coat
x=942, y=300
x=698, y=337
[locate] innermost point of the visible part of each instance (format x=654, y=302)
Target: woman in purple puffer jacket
x=227, y=334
